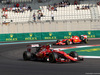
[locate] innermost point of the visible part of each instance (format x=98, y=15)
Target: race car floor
x=12, y=63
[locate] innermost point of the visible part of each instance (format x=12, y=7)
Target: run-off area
x=86, y=51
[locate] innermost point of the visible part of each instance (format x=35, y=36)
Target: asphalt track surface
x=12, y=63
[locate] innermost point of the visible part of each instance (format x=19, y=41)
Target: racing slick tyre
x=72, y=42
x=57, y=41
x=81, y=37
x=86, y=41
x=67, y=42
x=74, y=55
x=53, y=57
x=26, y=55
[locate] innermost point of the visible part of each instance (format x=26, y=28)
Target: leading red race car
x=46, y=53
x=72, y=40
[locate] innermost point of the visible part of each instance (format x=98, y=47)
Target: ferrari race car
x=46, y=53
x=72, y=40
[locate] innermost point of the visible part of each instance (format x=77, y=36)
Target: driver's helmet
x=42, y=47
x=48, y=46
x=72, y=36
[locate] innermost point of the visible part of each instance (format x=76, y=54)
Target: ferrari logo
x=30, y=35
x=11, y=35
x=70, y=33
x=89, y=33
x=50, y=34
x=67, y=55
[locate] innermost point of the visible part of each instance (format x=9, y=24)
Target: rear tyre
x=86, y=41
x=53, y=57
x=81, y=37
x=26, y=55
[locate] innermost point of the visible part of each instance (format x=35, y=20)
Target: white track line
x=90, y=56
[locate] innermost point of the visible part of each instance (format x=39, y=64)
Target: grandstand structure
x=83, y=16
x=69, y=12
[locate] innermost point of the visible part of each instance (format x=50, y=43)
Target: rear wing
x=33, y=45
x=85, y=36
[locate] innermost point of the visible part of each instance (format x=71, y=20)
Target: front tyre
x=57, y=41
x=67, y=42
x=53, y=57
x=74, y=55
x=26, y=55
x=72, y=42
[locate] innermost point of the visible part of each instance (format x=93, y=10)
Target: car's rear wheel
x=53, y=57
x=86, y=41
x=81, y=37
x=26, y=55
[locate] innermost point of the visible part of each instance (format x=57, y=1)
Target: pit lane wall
x=47, y=35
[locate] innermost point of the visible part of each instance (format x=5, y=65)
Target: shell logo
x=11, y=35
x=70, y=33
x=76, y=40
x=50, y=34
x=30, y=35
x=89, y=33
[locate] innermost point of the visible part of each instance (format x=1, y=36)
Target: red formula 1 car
x=45, y=53
x=72, y=40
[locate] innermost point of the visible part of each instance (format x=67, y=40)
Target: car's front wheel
x=67, y=42
x=57, y=41
x=74, y=55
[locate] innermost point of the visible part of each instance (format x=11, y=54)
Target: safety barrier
x=47, y=35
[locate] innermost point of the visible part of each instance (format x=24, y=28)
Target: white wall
x=50, y=26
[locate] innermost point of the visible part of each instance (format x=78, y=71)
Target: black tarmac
x=12, y=63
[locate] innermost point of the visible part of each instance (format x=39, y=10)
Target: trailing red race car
x=72, y=40
x=46, y=53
